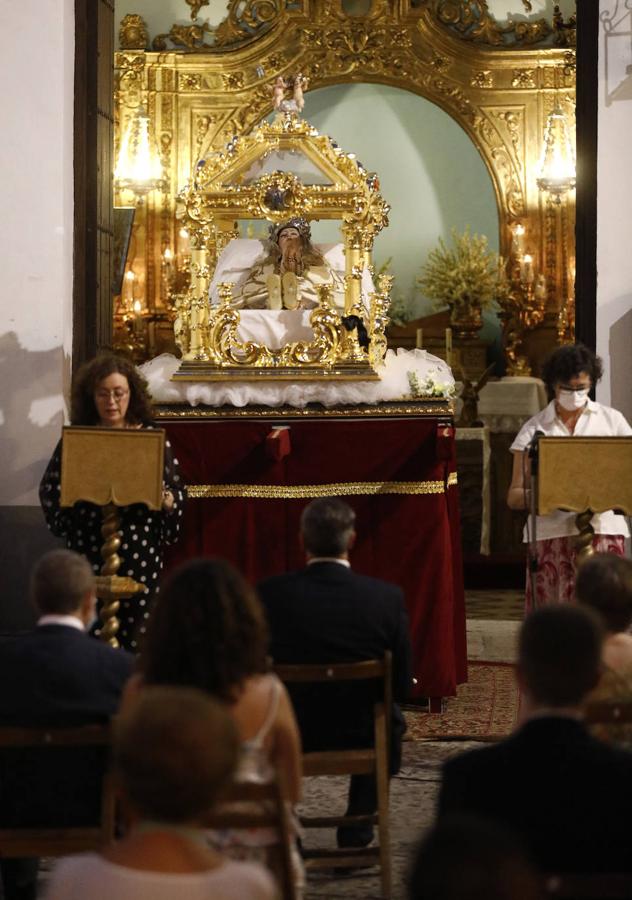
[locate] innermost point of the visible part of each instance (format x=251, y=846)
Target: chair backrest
x=246, y=805
x=378, y=670
x=608, y=712
x=34, y=746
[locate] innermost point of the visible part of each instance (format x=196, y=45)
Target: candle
x=128, y=287
x=168, y=255
x=420, y=338
x=518, y=239
x=526, y=268
x=540, y=287
x=448, y=346
x=137, y=308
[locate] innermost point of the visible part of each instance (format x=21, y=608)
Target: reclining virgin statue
x=288, y=276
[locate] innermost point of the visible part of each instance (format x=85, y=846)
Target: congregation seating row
x=253, y=805
x=244, y=804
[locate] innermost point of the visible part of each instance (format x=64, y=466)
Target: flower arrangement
x=429, y=386
x=463, y=276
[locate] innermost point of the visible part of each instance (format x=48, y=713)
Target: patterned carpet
x=486, y=708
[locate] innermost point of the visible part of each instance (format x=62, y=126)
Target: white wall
x=614, y=215
x=430, y=173
x=35, y=236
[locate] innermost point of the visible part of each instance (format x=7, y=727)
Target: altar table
x=250, y=476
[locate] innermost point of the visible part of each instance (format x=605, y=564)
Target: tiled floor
x=506, y=605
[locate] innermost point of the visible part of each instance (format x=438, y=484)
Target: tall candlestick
x=448, y=346
x=518, y=240
x=420, y=338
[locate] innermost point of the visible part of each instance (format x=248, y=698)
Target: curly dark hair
x=207, y=630
x=567, y=362
x=83, y=410
x=604, y=582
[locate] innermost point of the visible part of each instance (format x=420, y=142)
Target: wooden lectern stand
x=584, y=475
x=112, y=467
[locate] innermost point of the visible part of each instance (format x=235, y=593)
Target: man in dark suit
x=565, y=793
x=328, y=613
x=55, y=675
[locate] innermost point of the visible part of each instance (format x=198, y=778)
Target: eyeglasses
x=118, y=394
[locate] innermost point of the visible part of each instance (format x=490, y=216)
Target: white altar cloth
x=432, y=374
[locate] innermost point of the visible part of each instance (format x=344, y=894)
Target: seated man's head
x=559, y=655
x=174, y=750
x=328, y=528
x=470, y=858
x=62, y=584
x=604, y=582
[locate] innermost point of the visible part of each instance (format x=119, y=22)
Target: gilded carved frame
x=201, y=97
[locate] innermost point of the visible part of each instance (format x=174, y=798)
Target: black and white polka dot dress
x=144, y=532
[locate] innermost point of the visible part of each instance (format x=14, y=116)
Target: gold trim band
x=304, y=491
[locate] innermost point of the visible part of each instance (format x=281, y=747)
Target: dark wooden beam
x=586, y=222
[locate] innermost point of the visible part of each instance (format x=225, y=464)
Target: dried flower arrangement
x=463, y=276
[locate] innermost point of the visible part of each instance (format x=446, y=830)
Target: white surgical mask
x=572, y=400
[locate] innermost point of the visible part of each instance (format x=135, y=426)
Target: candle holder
x=522, y=304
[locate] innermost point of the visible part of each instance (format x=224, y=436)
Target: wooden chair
x=251, y=805
x=608, y=712
x=589, y=887
x=53, y=841
x=356, y=761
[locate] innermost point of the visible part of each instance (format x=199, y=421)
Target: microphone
x=533, y=443
x=533, y=450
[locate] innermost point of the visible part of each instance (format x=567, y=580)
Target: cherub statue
x=278, y=90
x=300, y=84
x=469, y=397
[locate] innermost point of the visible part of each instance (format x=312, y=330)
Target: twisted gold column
x=111, y=564
x=112, y=588
x=584, y=540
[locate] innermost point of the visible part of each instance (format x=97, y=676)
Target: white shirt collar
x=549, y=413
x=69, y=621
x=329, y=559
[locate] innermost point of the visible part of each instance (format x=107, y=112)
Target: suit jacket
x=56, y=675
x=565, y=793
x=328, y=613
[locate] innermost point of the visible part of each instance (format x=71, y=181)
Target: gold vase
x=466, y=320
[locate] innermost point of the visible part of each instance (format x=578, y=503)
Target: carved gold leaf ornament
x=472, y=21
x=196, y=6
x=133, y=34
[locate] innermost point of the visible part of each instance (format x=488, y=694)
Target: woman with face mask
x=569, y=374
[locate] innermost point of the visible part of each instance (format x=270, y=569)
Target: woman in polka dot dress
x=109, y=392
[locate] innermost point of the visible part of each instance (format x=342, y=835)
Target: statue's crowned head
x=297, y=222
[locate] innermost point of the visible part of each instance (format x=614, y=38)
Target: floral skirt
x=555, y=577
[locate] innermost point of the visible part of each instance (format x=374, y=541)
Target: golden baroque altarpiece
x=206, y=89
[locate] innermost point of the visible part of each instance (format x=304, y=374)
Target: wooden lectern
x=584, y=475
x=112, y=467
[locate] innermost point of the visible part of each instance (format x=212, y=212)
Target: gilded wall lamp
x=558, y=178
x=138, y=168
x=557, y=169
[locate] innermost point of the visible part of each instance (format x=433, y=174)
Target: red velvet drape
x=410, y=539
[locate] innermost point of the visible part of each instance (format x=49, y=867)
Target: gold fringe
x=305, y=491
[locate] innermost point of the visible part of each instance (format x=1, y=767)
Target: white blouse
x=91, y=876
x=595, y=421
